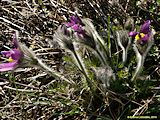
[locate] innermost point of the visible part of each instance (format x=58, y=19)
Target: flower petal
x=8, y=66
x=77, y=27
x=75, y=19
x=145, y=28
x=17, y=54
x=145, y=38
x=70, y=24
x=133, y=33
x=6, y=53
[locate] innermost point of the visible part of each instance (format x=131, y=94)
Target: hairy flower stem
x=48, y=70
x=124, y=52
x=102, y=59
x=103, y=45
x=99, y=41
x=140, y=59
x=140, y=62
x=82, y=68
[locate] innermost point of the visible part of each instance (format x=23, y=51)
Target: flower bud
x=129, y=25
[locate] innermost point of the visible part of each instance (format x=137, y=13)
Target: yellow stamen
x=139, y=36
x=142, y=35
x=10, y=59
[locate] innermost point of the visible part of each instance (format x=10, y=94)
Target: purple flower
x=13, y=57
x=74, y=19
x=76, y=25
x=144, y=34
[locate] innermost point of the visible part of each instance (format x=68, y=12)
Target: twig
x=9, y=22
x=21, y=90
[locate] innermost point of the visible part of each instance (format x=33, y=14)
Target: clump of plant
x=105, y=82
x=98, y=60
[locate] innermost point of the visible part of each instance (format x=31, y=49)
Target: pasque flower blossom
x=74, y=31
x=143, y=42
x=76, y=25
x=13, y=57
x=144, y=34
